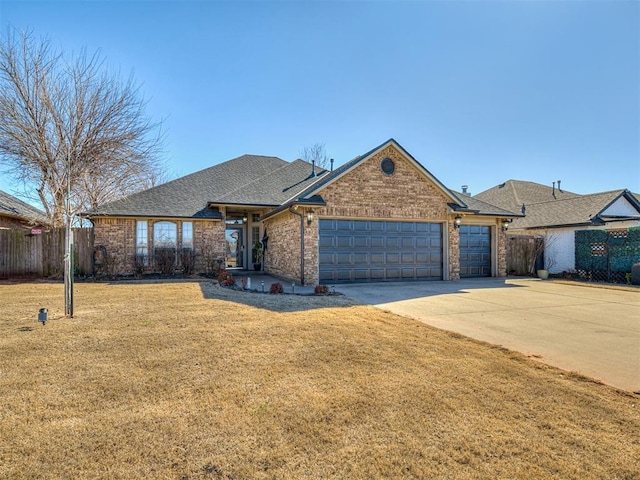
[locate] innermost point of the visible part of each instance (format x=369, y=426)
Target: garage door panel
x=361, y=241
x=343, y=241
x=393, y=273
x=393, y=243
x=359, y=258
x=407, y=242
x=379, y=250
x=343, y=225
x=327, y=241
x=376, y=258
x=408, y=258
x=360, y=226
x=376, y=274
x=377, y=242
x=326, y=258
x=360, y=274
x=326, y=225
x=343, y=274
x=343, y=259
x=392, y=258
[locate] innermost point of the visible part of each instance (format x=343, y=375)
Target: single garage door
x=365, y=250
x=475, y=251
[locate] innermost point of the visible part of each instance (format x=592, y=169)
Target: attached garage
x=475, y=251
x=373, y=250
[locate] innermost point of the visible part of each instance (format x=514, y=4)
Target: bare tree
x=70, y=123
x=315, y=152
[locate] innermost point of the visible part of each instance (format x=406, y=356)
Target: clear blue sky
x=478, y=91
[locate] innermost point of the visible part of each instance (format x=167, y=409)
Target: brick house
x=381, y=216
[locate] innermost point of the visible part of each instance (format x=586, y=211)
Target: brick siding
x=118, y=236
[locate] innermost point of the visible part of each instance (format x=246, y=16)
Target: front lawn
x=188, y=380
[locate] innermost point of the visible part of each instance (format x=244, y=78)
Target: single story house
x=381, y=216
x=557, y=215
x=16, y=214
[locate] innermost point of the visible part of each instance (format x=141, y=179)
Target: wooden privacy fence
x=22, y=253
x=524, y=254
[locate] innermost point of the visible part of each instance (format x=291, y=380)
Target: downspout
x=301, y=243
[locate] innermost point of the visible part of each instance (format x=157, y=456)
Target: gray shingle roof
x=245, y=180
x=542, y=209
x=483, y=208
x=511, y=194
x=14, y=207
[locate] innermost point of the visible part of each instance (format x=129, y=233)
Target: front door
x=234, y=246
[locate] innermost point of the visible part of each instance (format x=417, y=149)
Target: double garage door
x=366, y=250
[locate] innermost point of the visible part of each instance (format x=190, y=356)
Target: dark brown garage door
x=365, y=250
x=475, y=251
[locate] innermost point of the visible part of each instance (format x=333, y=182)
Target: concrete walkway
x=592, y=331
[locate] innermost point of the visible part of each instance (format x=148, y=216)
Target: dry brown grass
x=191, y=381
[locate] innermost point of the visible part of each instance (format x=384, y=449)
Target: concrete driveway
x=589, y=330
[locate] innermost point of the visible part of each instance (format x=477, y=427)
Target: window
x=164, y=235
x=187, y=235
x=387, y=166
x=142, y=243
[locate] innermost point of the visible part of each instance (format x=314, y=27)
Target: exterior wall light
x=309, y=216
x=505, y=224
x=244, y=217
x=457, y=221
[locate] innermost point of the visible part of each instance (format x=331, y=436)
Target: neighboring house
x=557, y=215
x=15, y=214
x=381, y=216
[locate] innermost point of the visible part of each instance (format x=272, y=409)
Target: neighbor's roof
x=11, y=206
x=245, y=180
x=574, y=211
x=512, y=194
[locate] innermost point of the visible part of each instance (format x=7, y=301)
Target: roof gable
x=621, y=207
x=335, y=175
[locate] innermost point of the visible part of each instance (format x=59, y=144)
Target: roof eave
x=315, y=201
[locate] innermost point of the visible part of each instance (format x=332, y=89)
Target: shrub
x=212, y=263
x=139, y=265
x=187, y=260
x=165, y=260
x=225, y=278
x=322, y=290
x=276, y=288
